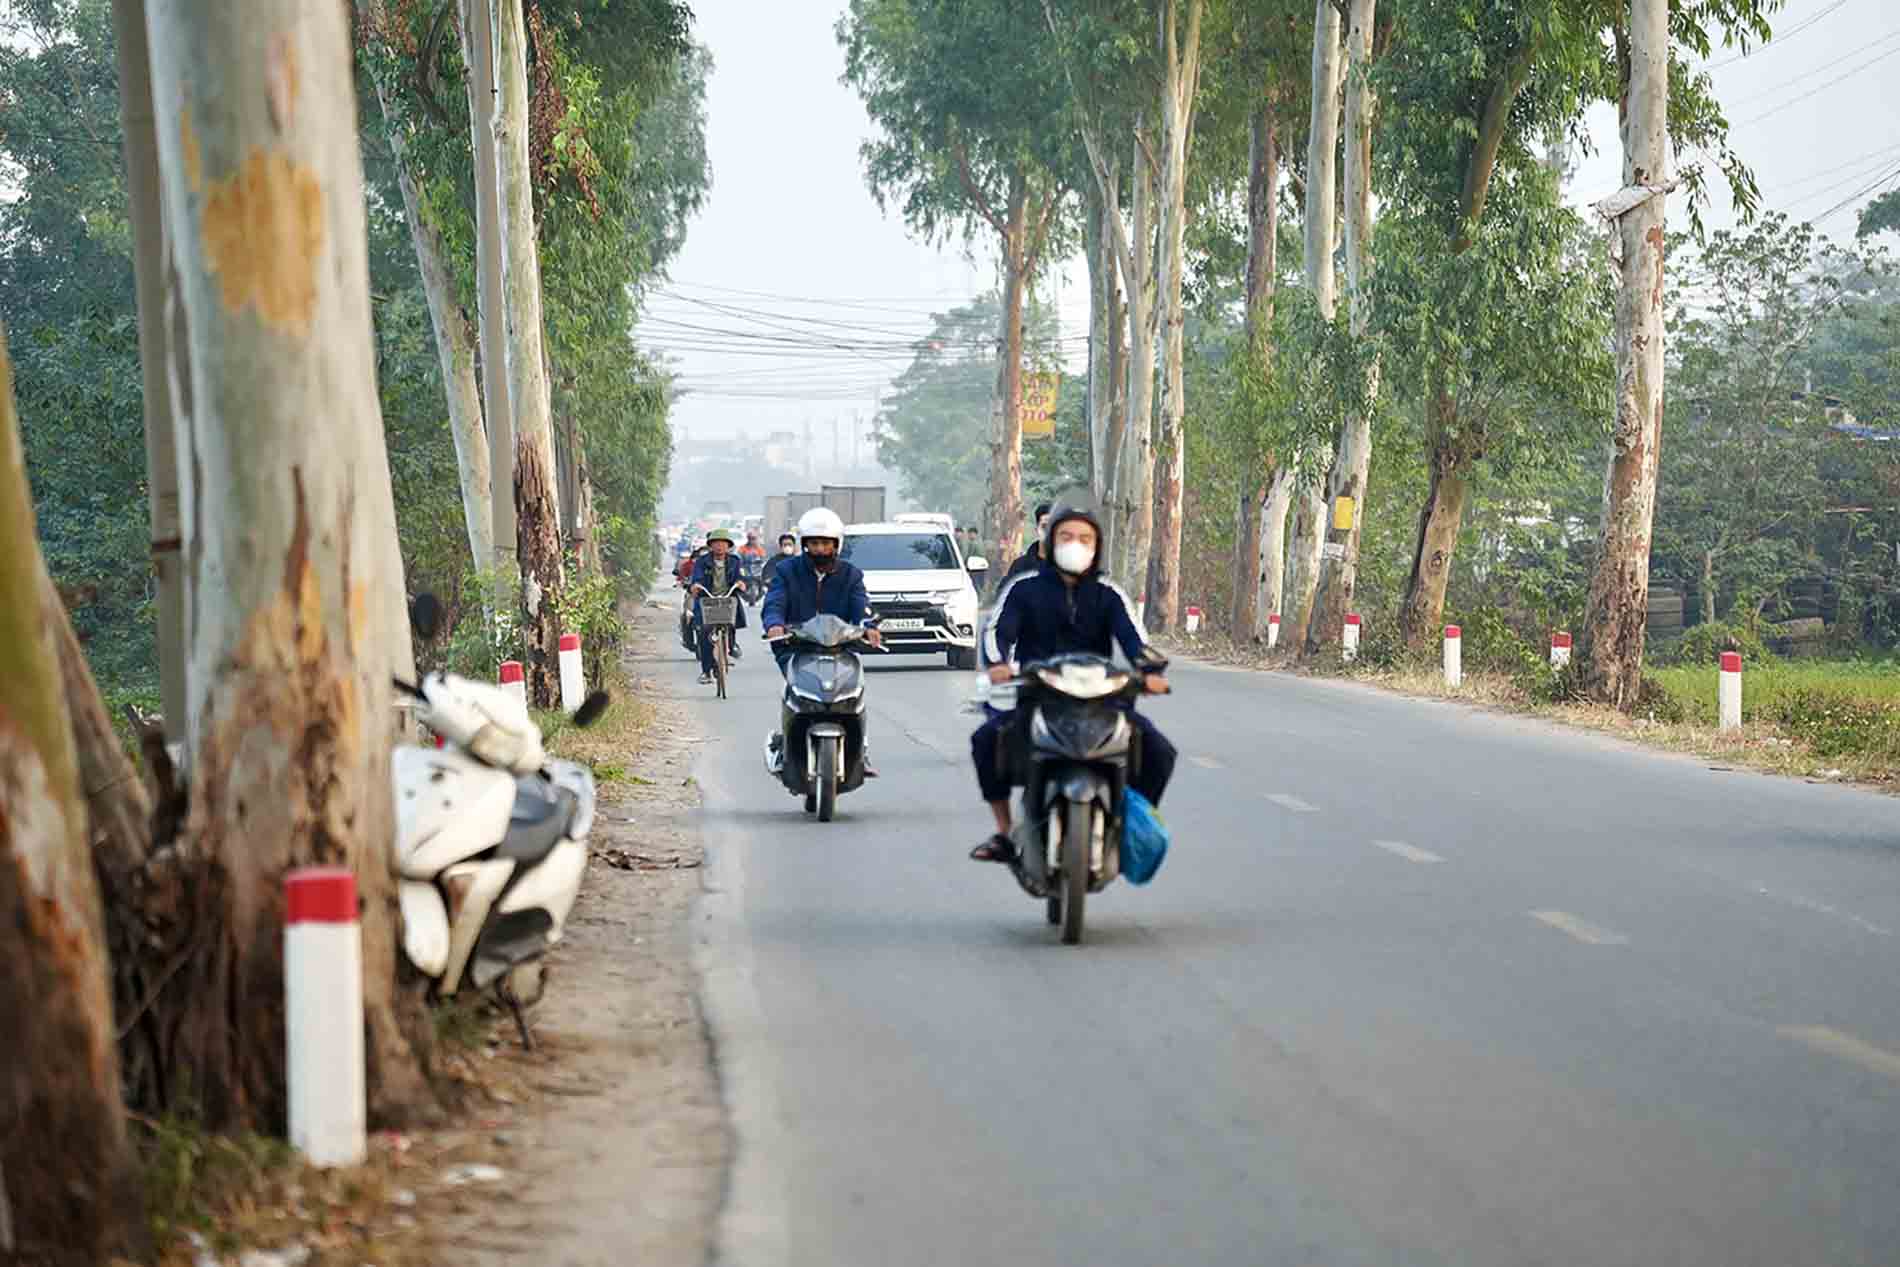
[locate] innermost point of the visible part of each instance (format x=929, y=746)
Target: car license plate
x=902, y=622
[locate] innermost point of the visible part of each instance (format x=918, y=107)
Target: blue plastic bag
x=1144, y=838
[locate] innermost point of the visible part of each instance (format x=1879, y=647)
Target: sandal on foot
x=998, y=848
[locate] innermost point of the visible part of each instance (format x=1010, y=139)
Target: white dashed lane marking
x=1587, y=933
x=1287, y=801
x=1854, y=1051
x=1410, y=853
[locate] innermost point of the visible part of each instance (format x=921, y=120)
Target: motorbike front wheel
x=825, y=779
x=1078, y=821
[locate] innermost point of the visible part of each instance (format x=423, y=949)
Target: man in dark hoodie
x=1064, y=606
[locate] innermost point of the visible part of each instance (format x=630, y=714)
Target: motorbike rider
x=814, y=582
x=751, y=559
x=1064, y=606
x=717, y=573
x=787, y=550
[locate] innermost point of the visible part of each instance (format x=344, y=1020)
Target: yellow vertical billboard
x=1038, y=413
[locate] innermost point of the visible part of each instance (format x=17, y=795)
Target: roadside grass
x=606, y=746
x=1817, y=719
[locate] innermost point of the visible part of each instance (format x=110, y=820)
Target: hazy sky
x=795, y=297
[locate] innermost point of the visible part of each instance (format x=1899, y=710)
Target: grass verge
x=1821, y=720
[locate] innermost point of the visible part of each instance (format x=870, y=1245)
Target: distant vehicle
x=932, y=518
x=855, y=503
x=921, y=587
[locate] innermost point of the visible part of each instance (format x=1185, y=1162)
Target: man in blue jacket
x=814, y=583
x=1062, y=607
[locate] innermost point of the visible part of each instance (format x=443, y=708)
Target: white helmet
x=820, y=522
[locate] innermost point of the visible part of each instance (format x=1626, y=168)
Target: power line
x=1809, y=74
x=1859, y=160
x=1813, y=92
x=1783, y=38
x=1885, y=178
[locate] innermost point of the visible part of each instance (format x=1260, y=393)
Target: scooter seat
x=540, y=817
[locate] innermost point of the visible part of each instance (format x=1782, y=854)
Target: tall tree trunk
x=1006, y=423
x=1322, y=234
x=1273, y=551
x=1616, y=616
x=454, y=333
x=1137, y=479
x=1181, y=57
x=122, y=832
x=148, y=272
x=1101, y=267
x=1450, y=451
x=1439, y=523
x=1263, y=228
x=67, y=1167
x=478, y=52
x=1708, y=589
x=1339, y=568
x=297, y=616
x=537, y=504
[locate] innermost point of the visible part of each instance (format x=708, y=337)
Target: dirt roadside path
x=616, y=1152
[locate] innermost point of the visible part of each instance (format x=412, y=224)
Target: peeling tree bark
x=1322, y=234
x=1263, y=221
x=537, y=504
x=1137, y=477
x=1617, y=612
x=1352, y=464
x=1272, y=595
x=148, y=271
x=454, y=335
x=478, y=29
x=1006, y=422
x=70, y=1190
x=1181, y=60
x=297, y=617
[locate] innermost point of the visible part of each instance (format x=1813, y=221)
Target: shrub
x=1705, y=643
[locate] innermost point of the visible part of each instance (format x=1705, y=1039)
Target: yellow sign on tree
x=1038, y=414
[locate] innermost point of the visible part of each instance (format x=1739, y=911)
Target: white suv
x=920, y=586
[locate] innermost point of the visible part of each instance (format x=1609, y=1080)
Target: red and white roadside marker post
x=1194, y=620
x=1273, y=631
x=1454, y=657
x=1729, y=691
x=1349, y=637
x=514, y=681
x=323, y=1015
x=1559, y=650
x=573, y=683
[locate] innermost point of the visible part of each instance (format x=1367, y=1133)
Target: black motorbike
x=1073, y=745
x=821, y=753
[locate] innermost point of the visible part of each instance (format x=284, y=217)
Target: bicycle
x=718, y=615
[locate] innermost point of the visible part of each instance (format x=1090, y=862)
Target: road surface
x=1417, y=985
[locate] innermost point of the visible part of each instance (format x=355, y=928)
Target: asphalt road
x=1417, y=985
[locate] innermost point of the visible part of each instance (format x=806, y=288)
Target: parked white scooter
x=491, y=837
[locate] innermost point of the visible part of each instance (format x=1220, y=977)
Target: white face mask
x=1074, y=557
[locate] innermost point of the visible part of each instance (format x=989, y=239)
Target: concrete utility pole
x=479, y=17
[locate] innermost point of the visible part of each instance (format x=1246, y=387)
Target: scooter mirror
x=591, y=708
x=425, y=615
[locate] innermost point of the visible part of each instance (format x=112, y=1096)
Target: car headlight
x=943, y=597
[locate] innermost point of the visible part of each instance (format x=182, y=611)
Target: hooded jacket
x=1039, y=615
